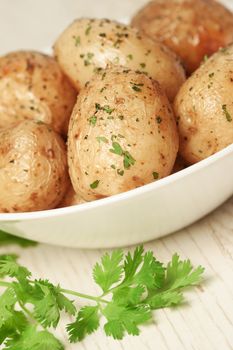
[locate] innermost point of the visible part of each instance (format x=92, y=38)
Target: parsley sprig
x=132, y=286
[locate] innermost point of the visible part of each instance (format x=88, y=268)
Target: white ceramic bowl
x=140, y=215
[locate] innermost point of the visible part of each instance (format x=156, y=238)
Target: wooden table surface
x=204, y=323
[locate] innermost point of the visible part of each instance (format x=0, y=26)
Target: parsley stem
x=23, y=307
x=84, y=296
x=5, y=284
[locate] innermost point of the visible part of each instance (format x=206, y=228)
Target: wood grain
x=205, y=322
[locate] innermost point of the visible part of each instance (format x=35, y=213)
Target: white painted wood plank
x=205, y=322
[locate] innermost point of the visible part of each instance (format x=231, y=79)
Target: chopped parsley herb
x=102, y=139
x=93, y=120
x=103, y=35
x=136, y=87
x=147, y=53
x=143, y=65
x=116, y=149
x=155, y=175
x=120, y=172
x=97, y=107
x=211, y=75
x=105, y=108
x=128, y=160
x=130, y=57
x=113, y=166
x=159, y=120
x=116, y=60
x=88, y=58
x=97, y=70
x=77, y=40
x=95, y=184
x=121, y=117
x=104, y=75
x=87, y=32
x=227, y=114
x=102, y=90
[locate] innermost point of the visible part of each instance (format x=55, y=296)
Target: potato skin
x=191, y=28
x=89, y=45
x=32, y=86
x=33, y=168
x=122, y=135
x=204, y=108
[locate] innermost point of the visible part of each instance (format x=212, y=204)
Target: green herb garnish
x=77, y=40
x=93, y=120
x=7, y=239
x=155, y=175
x=95, y=184
x=102, y=139
x=133, y=285
x=87, y=31
x=226, y=113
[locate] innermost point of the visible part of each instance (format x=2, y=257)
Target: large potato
x=204, y=108
x=122, y=134
x=33, y=168
x=88, y=45
x=191, y=28
x=32, y=86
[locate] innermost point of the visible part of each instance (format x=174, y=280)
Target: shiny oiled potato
x=191, y=28
x=32, y=86
x=88, y=45
x=122, y=134
x=33, y=168
x=204, y=108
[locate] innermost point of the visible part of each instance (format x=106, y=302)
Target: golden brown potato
x=87, y=46
x=71, y=198
x=32, y=86
x=191, y=28
x=204, y=108
x=33, y=168
x=122, y=134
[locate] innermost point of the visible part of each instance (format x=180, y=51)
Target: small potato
x=191, y=28
x=33, y=87
x=33, y=168
x=122, y=134
x=89, y=45
x=71, y=198
x=204, y=108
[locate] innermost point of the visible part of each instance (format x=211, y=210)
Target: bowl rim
x=9, y=217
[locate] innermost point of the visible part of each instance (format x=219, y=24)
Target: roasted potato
x=204, y=108
x=89, y=45
x=191, y=28
x=32, y=86
x=122, y=134
x=33, y=168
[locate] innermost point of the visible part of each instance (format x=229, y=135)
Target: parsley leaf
x=109, y=271
x=7, y=239
x=133, y=285
x=86, y=322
